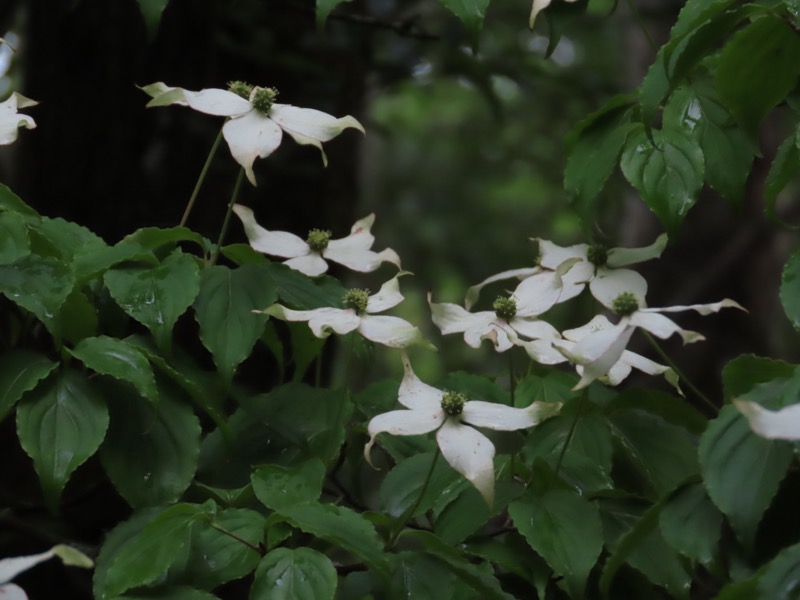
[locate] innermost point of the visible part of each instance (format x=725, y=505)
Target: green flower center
x=505, y=308
x=318, y=239
x=357, y=300
x=240, y=88
x=597, y=255
x=262, y=99
x=453, y=403
x=625, y=304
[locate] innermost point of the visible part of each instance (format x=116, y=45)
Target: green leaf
x=64, y=239
x=478, y=580
x=20, y=372
x=564, y=528
x=324, y=8
x=593, y=156
x=512, y=553
x=340, y=526
x=166, y=439
x=665, y=454
x=790, y=289
x=471, y=13
x=40, y=285
x=402, y=486
x=727, y=149
x=672, y=409
x=154, y=238
x=76, y=319
x=144, y=558
x=476, y=387
x=60, y=424
x=744, y=372
x=170, y=592
x=742, y=471
x=156, y=297
x=779, y=577
x=418, y=576
x=117, y=358
x=94, y=261
x=151, y=11
x=464, y=515
x=303, y=292
x=691, y=524
x=11, y=202
x=556, y=386
x=294, y=574
x=224, y=310
x=667, y=171
x=14, y=242
x=282, y=487
x=758, y=68
x=214, y=556
x=784, y=168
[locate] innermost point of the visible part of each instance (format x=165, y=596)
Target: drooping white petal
x=622, y=257
x=645, y=365
x=387, y=297
x=11, y=120
x=164, y=95
x=542, y=351
x=608, y=284
x=320, y=320
x=470, y=453
x=496, y=331
x=251, y=136
x=506, y=418
x=220, y=103
x=537, y=294
x=403, y=422
x=597, y=352
x=473, y=292
x=416, y=394
x=661, y=326
x=783, y=424
x=358, y=259
x=275, y=243
x=393, y=332
x=12, y=591
x=312, y=264
x=11, y=567
x=703, y=309
x=452, y=318
x=309, y=126
x=534, y=328
x=536, y=8
x=598, y=323
x=360, y=236
x=552, y=255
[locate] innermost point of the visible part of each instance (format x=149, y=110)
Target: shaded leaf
x=294, y=574
x=282, y=487
x=20, y=371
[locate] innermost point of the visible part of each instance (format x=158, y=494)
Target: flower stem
x=200, y=180
x=227, y=220
x=641, y=24
x=232, y=535
x=570, y=435
x=665, y=357
x=411, y=509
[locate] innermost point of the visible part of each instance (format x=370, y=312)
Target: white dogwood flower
x=11, y=120
x=11, y=567
x=310, y=256
x=454, y=418
x=359, y=315
x=256, y=122
x=598, y=351
x=783, y=424
x=512, y=316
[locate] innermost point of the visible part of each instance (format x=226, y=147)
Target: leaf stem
x=411, y=509
x=227, y=220
x=570, y=435
x=665, y=357
x=200, y=180
x=239, y=539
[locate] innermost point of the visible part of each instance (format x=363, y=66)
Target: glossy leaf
x=11, y=202
x=95, y=261
x=758, y=68
x=418, y=576
x=283, y=487
x=154, y=238
x=166, y=437
x=64, y=239
x=294, y=574
x=156, y=297
x=667, y=171
x=402, y=486
x=564, y=528
x=170, y=592
x=20, y=371
x=224, y=310
x=60, y=424
x=303, y=292
x=14, y=242
x=117, y=358
x=691, y=524
x=746, y=371
x=742, y=471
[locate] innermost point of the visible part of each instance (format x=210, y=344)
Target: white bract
x=256, y=123
x=309, y=256
x=11, y=567
x=11, y=120
x=359, y=315
x=512, y=317
x=783, y=424
x=538, y=6
x=453, y=417
x=598, y=351
x=622, y=368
